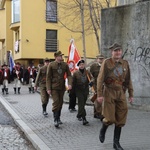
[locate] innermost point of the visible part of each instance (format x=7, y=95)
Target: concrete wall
x=126, y=2
x=130, y=26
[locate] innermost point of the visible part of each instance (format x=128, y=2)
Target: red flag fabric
x=73, y=57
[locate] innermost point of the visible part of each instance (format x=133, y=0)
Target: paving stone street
x=11, y=137
x=72, y=135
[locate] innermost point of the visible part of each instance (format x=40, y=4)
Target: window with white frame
x=15, y=11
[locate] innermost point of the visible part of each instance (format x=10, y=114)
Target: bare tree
x=83, y=16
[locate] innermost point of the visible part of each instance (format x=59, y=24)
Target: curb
x=37, y=143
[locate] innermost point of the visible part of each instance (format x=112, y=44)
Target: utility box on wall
x=130, y=26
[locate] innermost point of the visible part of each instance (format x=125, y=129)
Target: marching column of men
x=111, y=79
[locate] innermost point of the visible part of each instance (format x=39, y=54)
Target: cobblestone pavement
x=11, y=138
x=72, y=135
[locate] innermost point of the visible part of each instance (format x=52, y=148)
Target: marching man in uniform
x=5, y=78
x=94, y=69
x=30, y=76
x=18, y=75
x=41, y=82
x=115, y=77
x=55, y=83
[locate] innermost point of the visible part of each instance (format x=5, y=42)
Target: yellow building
x=32, y=31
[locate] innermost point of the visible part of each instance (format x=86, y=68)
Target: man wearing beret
x=81, y=79
x=41, y=82
x=55, y=83
x=115, y=77
x=94, y=70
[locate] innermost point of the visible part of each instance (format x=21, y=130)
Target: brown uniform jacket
x=81, y=81
x=41, y=77
x=114, y=75
x=55, y=78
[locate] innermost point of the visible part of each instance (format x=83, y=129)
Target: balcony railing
x=51, y=16
x=51, y=45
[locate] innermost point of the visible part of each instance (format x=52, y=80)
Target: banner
x=73, y=57
x=11, y=61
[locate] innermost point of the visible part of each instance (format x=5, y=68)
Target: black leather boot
x=19, y=90
x=59, y=114
x=14, y=90
x=44, y=110
x=3, y=90
x=117, y=133
x=85, y=122
x=32, y=89
x=56, y=124
x=102, y=133
x=6, y=89
x=29, y=89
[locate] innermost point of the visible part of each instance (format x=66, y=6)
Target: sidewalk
x=72, y=135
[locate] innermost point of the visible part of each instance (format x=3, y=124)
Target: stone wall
x=129, y=25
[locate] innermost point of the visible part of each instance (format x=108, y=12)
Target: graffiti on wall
x=142, y=56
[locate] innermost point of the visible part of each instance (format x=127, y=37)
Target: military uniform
x=94, y=69
x=81, y=85
x=17, y=75
x=30, y=76
x=41, y=82
x=115, y=77
x=55, y=82
x=5, y=78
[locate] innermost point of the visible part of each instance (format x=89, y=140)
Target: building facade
x=33, y=31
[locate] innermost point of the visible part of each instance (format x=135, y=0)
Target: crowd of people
x=109, y=79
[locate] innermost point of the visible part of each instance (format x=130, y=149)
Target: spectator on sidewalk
x=41, y=82
x=55, y=83
x=115, y=77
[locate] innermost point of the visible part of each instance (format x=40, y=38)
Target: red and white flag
x=73, y=57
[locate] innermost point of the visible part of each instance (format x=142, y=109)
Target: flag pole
x=83, y=30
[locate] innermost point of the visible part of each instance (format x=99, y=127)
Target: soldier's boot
x=14, y=90
x=102, y=133
x=85, y=122
x=3, y=91
x=44, y=110
x=19, y=90
x=29, y=89
x=6, y=89
x=32, y=89
x=56, y=124
x=117, y=133
x=59, y=114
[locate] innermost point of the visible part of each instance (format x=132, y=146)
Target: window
x=51, y=41
x=51, y=11
x=15, y=11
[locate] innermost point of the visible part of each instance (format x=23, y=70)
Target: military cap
x=59, y=53
x=115, y=46
x=100, y=56
x=46, y=59
x=80, y=61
